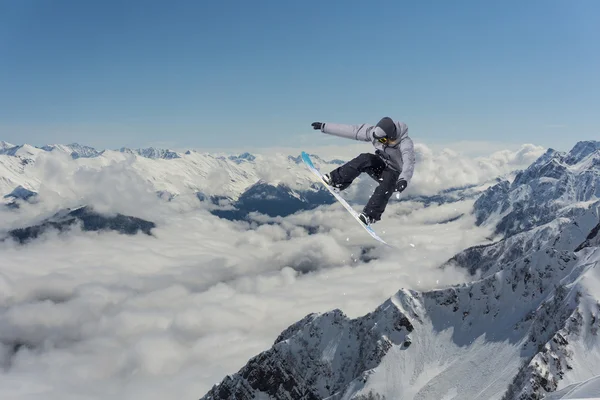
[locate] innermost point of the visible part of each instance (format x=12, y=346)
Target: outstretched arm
x=357, y=132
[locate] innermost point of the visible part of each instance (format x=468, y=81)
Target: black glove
x=401, y=185
x=317, y=125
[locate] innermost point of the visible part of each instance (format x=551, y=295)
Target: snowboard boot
x=329, y=182
x=365, y=219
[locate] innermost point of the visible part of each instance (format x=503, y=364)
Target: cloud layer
x=98, y=315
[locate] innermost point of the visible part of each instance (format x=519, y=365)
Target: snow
x=566, y=232
x=581, y=151
x=5, y=145
x=22, y=151
x=434, y=366
x=585, y=347
x=16, y=172
x=589, y=389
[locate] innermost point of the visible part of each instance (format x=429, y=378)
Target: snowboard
x=317, y=173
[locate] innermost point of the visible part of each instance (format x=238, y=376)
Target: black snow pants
x=373, y=165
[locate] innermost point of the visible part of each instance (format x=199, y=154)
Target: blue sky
x=257, y=73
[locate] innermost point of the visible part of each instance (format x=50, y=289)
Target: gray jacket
x=399, y=156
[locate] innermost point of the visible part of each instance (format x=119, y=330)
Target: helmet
x=385, y=130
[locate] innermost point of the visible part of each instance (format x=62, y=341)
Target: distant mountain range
x=236, y=180
x=76, y=151
x=232, y=186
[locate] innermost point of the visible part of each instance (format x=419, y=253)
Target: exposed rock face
x=319, y=356
x=592, y=240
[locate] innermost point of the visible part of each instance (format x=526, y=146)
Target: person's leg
x=344, y=175
x=378, y=201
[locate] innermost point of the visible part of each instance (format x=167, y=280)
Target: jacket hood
x=388, y=126
x=401, y=129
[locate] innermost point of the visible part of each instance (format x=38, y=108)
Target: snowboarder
x=391, y=166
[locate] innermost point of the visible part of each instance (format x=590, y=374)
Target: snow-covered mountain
x=552, y=182
x=22, y=151
x=444, y=343
x=167, y=171
x=528, y=325
x=152, y=153
x=535, y=209
x=566, y=232
x=5, y=145
x=244, y=157
x=232, y=186
x=74, y=149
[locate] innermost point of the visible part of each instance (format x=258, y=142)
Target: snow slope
x=5, y=145
x=583, y=390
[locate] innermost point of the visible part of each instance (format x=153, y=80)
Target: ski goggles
x=386, y=141
x=380, y=135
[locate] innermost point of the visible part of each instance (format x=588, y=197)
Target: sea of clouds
x=87, y=315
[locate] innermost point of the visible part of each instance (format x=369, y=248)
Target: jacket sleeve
x=408, y=159
x=357, y=132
